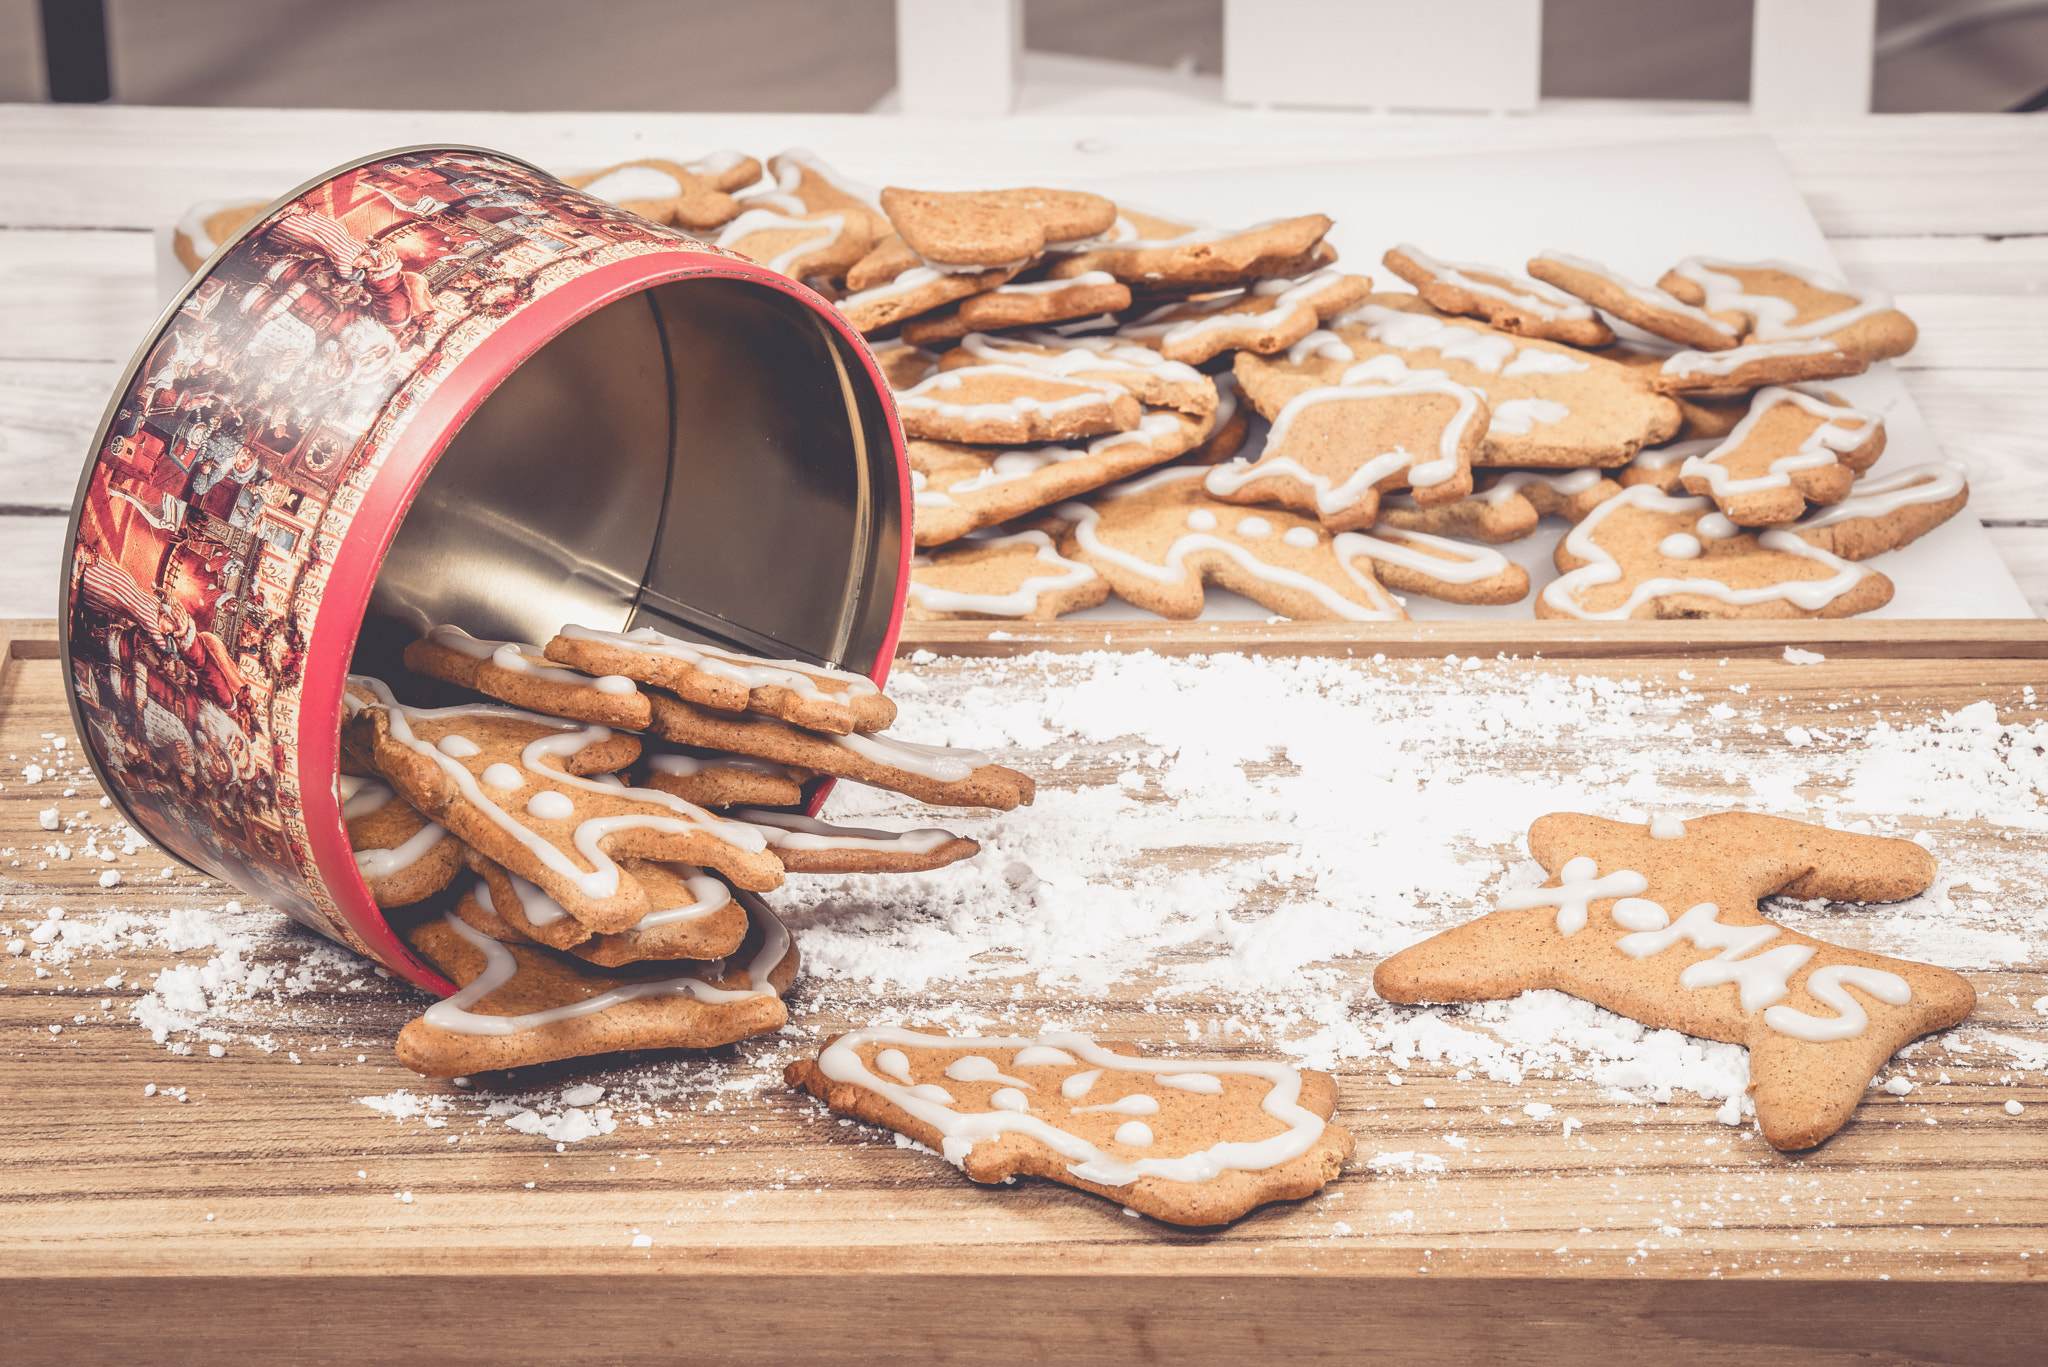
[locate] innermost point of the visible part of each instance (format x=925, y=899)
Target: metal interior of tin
x=705, y=457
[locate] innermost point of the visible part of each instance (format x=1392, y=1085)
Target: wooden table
x=260, y=1215
x=261, y=1210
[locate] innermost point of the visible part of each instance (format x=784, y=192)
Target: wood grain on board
x=263, y=1211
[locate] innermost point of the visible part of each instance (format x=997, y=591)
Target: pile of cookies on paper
x=1075, y=377
x=616, y=821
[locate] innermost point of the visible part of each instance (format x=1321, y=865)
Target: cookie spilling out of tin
x=580, y=852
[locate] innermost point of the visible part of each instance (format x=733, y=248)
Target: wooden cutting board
x=262, y=1216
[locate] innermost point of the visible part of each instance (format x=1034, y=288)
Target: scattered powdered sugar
x=1255, y=832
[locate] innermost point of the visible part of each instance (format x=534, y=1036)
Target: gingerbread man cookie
x=1267, y=316
x=1884, y=514
x=814, y=696
x=1740, y=369
x=664, y=191
x=1020, y=577
x=1506, y=507
x=1335, y=448
x=960, y=488
x=524, y=1004
x=1792, y=449
x=1549, y=406
x=403, y=857
x=798, y=246
x=1163, y=253
x=806, y=845
x=522, y=675
x=1644, y=554
x=981, y=230
x=1661, y=924
x=1655, y=311
x=1776, y=301
x=505, y=781
x=937, y=774
x=1022, y=304
x=1160, y=539
x=915, y=291
x=1508, y=302
x=711, y=778
x=805, y=185
x=1150, y=377
x=694, y=915
x=1011, y=405
x=1188, y=1141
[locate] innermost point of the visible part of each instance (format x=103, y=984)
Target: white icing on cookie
x=500, y=967
x=1602, y=568
x=1841, y=429
x=1929, y=482
x=753, y=671
x=786, y=831
x=960, y=1131
x=1530, y=296
x=1773, y=315
x=1071, y=574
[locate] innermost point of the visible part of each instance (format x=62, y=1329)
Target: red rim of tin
x=415, y=451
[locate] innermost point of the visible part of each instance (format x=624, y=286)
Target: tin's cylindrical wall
x=440, y=385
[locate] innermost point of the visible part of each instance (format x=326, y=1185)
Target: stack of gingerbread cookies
x=584, y=862
x=1075, y=376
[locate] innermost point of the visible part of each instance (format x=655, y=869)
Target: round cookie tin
x=438, y=385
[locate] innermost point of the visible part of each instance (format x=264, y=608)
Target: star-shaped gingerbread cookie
x=1661, y=924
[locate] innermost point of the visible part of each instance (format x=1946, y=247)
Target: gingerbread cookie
x=1267, y=316
x=1659, y=466
x=694, y=915
x=1550, y=407
x=711, y=778
x=1702, y=413
x=1438, y=567
x=815, y=696
x=1776, y=301
x=1508, y=302
x=661, y=190
x=402, y=856
x=727, y=170
x=1335, y=448
x=805, y=845
x=1019, y=577
x=1149, y=376
x=959, y=488
x=1010, y=405
x=1162, y=253
x=903, y=365
x=1643, y=554
x=887, y=259
x=1191, y=1142
x=523, y=675
x=937, y=774
x=978, y=230
x=1887, y=513
x=1753, y=364
x=1160, y=539
x=206, y=225
x=525, y=1004
x=805, y=185
x=1022, y=305
x=1660, y=923
x=505, y=781
x=820, y=243
x=915, y=291
x=1655, y=311
x=1229, y=426
x=1506, y=507
x=1792, y=449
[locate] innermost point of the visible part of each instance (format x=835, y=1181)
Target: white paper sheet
x=1637, y=208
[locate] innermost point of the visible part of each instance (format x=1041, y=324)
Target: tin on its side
x=440, y=386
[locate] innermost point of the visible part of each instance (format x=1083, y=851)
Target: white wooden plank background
x=1946, y=211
